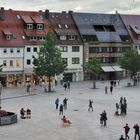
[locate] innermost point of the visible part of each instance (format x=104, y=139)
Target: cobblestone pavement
x=46, y=124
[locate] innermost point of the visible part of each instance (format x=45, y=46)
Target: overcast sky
x=94, y=6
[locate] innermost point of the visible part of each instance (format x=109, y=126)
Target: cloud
x=96, y=6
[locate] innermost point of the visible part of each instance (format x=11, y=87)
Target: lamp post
x=0, y=94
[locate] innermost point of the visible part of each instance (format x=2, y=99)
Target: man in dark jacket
x=137, y=132
x=121, y=138
x=126, y=130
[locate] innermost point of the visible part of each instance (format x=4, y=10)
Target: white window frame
x=40, y=26
x=72, y=37
x=29, y=26
x=63, y=37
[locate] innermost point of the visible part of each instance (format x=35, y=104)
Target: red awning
x=37, y=20
x=27, y=19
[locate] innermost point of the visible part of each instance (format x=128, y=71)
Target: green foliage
x=49, y=61
x=93, y=66
x=0, y=68
x=130, y=61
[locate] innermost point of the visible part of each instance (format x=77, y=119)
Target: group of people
x=62, y=106
x=127, y=129
x=121, y=107
x=25, y=114
x=103, y=118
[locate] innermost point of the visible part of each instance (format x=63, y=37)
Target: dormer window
x=8, y=37
x=71, y=37
x=66, y=26
x=59, y=26
x=29, y=26
x=40, y=26
x=62, y=37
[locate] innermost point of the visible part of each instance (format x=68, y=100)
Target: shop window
x=75, y=60
x=28, y=62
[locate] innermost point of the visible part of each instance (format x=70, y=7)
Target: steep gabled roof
x=132, y=23
x=14, y=24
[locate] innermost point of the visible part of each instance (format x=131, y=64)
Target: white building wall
x=14, y=56
x=75, y=69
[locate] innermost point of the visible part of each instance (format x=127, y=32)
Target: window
x=11, y=50
x=59, y=26
x=65, y=60
x=28, y=49
x=5, y=51
x=75, y=60
x=66, y=26
x=103, y=49
x=8, y=37
x=63, y=37
x=29, y=26
x=104, y=28
x=4, y=63
x=28, y=61
x=17, y=63
x=40, y=26
x=72, y=37
x=93, y=50
x=11, y=63
x=63, y=48
x=75, y=48
x=35, y=49
x=18, y=50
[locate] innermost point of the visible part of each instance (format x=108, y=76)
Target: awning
x=108, y=69
x=117, y=68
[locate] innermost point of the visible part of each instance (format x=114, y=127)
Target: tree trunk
x=94, y=84
x=49, y=85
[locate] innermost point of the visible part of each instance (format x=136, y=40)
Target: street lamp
x=0, y=94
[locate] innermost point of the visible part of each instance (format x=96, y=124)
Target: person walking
x=28, y=113
x=104, y=116
x=22, y=113
x=126, y=130
x=65, y=103
x=57, y=103
x=68, y=84
x=90, y=105
x=106, y=89
x=137, y=131
x=121, y=138
x=65, y=85
x=111, y=89
x=61, y=110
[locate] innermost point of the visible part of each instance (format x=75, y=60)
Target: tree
x=49, y=62
x=131, y=62
x=1, y=68
x=93, y=67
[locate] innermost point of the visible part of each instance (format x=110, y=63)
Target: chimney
x=63, y=12
x=70, y=12
x=2, y=13
x=47, y=14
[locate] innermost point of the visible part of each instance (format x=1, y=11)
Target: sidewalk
x=46, y=123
